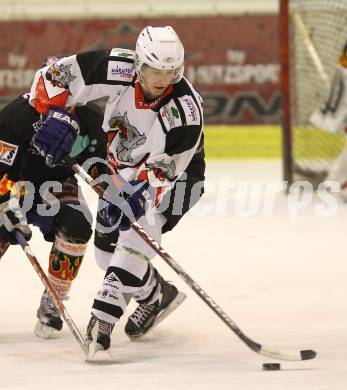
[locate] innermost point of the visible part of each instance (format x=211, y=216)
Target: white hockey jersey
x=155, y=140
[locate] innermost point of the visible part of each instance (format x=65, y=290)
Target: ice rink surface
x=281, y=278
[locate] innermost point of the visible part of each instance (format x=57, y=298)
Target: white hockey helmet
x=160, y=48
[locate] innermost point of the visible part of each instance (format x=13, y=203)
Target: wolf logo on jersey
x=168, y=169
x=60, y=75
x=129, y=137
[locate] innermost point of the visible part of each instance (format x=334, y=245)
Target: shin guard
x=64, y=262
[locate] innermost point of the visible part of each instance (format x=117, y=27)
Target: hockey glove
x=131, y=208
x=14, y=220
x=55, y=137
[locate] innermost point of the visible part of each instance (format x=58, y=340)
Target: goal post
x=312, y=36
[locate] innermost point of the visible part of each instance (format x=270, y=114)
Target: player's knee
x=74, y=224
x=106, y=241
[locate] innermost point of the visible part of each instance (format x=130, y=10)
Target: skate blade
x=94, y=347
x=96, y=354
x=181, y=296
x=45, y=332
x=101, y=357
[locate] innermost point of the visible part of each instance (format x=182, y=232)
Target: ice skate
x=98, y=336
x=147, y=316
x=49, y=322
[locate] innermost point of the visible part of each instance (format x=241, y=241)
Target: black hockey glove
x=55, y=137
x=14, y=220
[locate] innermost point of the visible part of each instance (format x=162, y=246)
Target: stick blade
x=287, y=355
x=308, y=354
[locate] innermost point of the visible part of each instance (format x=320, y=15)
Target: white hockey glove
x=12, y=220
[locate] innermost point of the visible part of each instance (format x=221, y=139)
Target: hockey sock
x=64, y=262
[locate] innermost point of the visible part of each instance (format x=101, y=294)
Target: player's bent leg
x=127, y=272
x=124, y=276
x=130, y=274
x=70, y=244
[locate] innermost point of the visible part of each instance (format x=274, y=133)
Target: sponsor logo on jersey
x=8, y=152
x=60, y=75
x=125, y=55
x=120, y=71
x=170, y=116
x=190, y=109
x=129, y=137
x=119, y=52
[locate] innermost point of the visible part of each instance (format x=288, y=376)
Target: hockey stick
x=62, y=309
x=311, y=48
x=256, y=347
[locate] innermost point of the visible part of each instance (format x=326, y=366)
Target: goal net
x=313, y=35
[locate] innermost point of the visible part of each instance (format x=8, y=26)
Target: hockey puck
x=271, y=366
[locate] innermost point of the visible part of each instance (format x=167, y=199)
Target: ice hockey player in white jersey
x=154, y=119
x=332, y=117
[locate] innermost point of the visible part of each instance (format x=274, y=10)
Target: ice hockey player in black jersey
x=52, y=199
x=153, y=118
